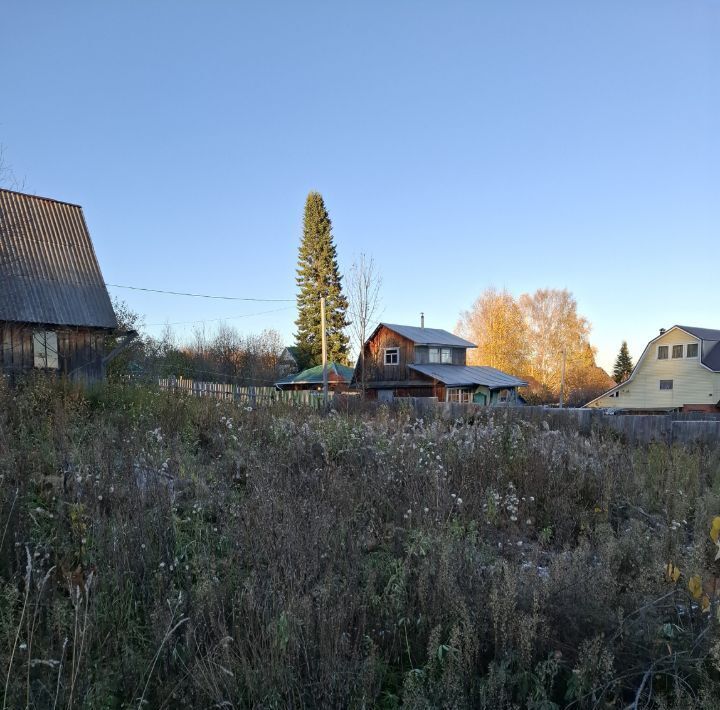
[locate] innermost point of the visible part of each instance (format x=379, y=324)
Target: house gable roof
x=292, y=351
x=428, y=336
x=48, y=269
x=463, y=375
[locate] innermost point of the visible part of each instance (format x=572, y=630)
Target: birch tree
x=363, y=292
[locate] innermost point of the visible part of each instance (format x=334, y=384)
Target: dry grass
x=166, y=552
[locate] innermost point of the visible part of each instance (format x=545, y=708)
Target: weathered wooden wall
x=375, y=368
x=80, y=350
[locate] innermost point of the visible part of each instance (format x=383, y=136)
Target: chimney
x=422, y=320
x=662, y=331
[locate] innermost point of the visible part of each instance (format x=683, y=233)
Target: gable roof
x=428, y=336
x=314, y=375
x=292, y=352
x=48, y=269
x=459, y=375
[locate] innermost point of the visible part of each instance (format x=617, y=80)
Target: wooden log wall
x=80, y=350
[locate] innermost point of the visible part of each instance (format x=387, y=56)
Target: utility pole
x=324, y=351
x=562, y=378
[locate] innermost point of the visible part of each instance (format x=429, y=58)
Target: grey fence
x=675, y=427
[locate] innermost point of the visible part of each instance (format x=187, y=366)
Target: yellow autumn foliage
x=695, y=586
x=715, y=529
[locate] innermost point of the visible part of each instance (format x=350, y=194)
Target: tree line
x=536, y=336
x=539, y=337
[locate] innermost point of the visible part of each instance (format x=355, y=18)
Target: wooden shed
x=55, y=311
x=339, y=378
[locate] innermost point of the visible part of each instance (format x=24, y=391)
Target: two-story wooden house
x=680, y=369
x=409, y=361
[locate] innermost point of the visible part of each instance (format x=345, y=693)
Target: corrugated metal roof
x=314, y=375
x=48, y=269
x=459, y=375
x=429, y=336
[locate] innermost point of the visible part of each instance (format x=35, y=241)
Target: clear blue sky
x=462, y=144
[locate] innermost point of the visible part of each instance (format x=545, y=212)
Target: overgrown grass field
x=167, y=552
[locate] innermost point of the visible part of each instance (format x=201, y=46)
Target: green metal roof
x=314, y=375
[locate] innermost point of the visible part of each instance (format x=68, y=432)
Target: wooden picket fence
x=250, y=394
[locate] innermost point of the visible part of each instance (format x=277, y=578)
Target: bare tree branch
x=363, y=294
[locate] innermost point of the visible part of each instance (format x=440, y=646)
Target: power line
x=203, y=295
x=214, y=320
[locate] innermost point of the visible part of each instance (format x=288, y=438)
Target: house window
x=45, y=349
x=662, y=352
x=692, y=350
x=503, y=395
x=677, y=351
x=458, y=394
x=392, y=356
x=443, y=355
x=666, y=384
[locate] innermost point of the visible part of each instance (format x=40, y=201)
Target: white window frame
x=45, y=350
x=667, y=352
x=687, y=350
x=391, y=351
x=666, y=389
x=682, y=352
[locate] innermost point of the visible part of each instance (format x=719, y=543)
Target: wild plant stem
x=168, y=634
x=28, y=575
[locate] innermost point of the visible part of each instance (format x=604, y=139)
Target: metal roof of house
x=710, y=350
x=429, y=336
x=711, y=359
x=459, y=375
x=702, y=333
x=314, y=375
x=48, y=269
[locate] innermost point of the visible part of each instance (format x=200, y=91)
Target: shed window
x=662, y=352
x=677, y=351
x=458, y=394
x=443, y=355
x=692, y=350
x=45, y=349
x=666, y=384
x=392, y=356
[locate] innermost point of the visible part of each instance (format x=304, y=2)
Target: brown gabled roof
x=48, y=269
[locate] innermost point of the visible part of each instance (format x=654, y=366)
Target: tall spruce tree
x=318, y=275
x=623, y=364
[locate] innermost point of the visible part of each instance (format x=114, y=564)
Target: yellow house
x=680, y=369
